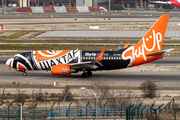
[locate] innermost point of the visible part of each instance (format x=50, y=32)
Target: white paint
x=60, y=9
x=93, y=27
x=83, y=9
x=37, y=9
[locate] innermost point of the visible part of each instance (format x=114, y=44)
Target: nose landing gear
x=24, y=73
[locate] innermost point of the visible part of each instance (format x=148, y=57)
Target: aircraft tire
x=89, y=73
x=84, y=75
x=24, y=74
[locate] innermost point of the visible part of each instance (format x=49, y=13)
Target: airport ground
x=120, y=76
x=165, y=73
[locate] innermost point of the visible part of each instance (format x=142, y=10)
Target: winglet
x=126, y=45
x=99, y=58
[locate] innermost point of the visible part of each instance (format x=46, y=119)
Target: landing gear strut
x=24, y=73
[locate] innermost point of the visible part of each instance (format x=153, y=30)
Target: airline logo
x=150, y=43
x=64, y=70
x=46, y=59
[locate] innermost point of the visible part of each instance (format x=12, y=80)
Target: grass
x=17, y=33
x=54, y=47
x=77, y=40
x=67, y=41
x=66, y=47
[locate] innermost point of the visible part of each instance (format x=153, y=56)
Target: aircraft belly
x=115, y=64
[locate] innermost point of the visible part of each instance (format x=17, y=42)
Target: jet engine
x=62, y=69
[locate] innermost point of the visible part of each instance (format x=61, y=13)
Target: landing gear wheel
x=84, y=75
x=24, y=73
x=89, y=73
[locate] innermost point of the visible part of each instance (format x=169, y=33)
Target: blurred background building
x=101, y=3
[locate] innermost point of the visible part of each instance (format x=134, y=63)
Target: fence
x=43, y=106
x=129, y=113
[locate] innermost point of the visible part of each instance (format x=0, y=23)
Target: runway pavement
x=166, y=76
x=114, y=77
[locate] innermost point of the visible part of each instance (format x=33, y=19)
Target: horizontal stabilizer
x=160, y=53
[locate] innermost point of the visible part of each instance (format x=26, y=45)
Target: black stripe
x=41, y=65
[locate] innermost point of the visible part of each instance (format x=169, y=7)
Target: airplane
x=171, y=2
x=65, y=62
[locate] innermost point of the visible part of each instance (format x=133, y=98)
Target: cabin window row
x=104, y=58
x=87, y=58
x=46, y=58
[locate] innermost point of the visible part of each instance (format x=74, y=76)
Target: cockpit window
x=27, y=55
x=16, y=57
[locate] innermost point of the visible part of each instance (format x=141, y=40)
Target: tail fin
x=150, y=43
x=153, y=39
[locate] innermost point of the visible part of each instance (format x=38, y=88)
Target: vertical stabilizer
x=150, y=43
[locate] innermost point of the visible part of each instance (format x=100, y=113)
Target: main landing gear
x=86, y=74
x=24, y=73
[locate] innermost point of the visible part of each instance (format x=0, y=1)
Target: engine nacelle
x=61, y=69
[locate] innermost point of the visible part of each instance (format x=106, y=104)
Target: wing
x=89, y=64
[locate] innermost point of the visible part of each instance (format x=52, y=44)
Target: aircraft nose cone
x=9, y=62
